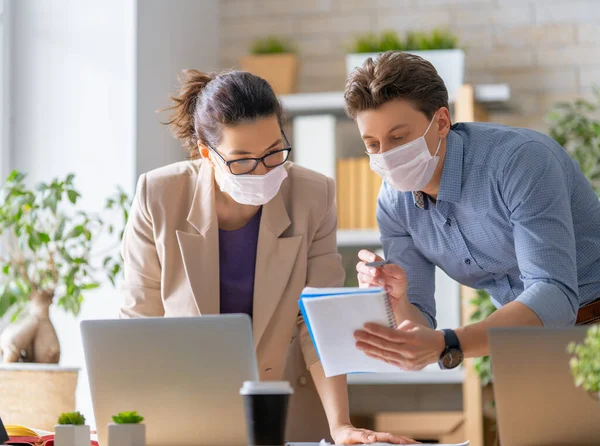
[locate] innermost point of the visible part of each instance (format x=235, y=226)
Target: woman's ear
x=203, y=150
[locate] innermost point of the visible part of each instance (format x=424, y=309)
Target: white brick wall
x=546, y=50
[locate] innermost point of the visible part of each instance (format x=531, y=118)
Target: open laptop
x=537, y=402
x=182, y=374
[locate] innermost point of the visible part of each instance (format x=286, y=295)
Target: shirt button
x=467, y=261
x=302, y=381
x=449, y=222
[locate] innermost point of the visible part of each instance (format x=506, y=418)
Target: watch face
x=452, y=358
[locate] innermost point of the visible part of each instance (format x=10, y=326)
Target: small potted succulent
x=440, y=47
x=274, y=59
x=585, y=363
x=71, y=430
x=127, y=430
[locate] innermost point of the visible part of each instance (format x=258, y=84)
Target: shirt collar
x=452, y=173
x=451, y=182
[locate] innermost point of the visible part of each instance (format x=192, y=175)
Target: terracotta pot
x=279, y=70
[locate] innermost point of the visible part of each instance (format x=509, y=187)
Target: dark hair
x=395, y=75
x=205, y=103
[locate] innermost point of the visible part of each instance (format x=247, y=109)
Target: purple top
x=237, y=261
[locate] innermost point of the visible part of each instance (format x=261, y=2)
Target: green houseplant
x=484, y=308
x=71, y=418
x=585, y=363
x=127, y=430
x=128, y=418
x=49, y=256
x=71, y=430
x=274, y=59
x=576, y=126
x=440, y=47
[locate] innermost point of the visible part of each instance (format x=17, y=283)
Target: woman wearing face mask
x=238, y=229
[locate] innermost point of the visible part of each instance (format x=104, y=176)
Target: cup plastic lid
x=266, y=388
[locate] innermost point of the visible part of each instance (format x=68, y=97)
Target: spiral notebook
x=332, y=315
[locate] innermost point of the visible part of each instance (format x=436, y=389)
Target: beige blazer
x=171, y=253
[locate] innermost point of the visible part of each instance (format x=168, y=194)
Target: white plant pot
x=126, y=434
x=69, y=435
x=450, y=65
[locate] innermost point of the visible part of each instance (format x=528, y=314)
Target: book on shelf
x=357, y=190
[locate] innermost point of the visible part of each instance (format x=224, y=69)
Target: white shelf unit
x=430, y=375
x=332, y=102
x=358, y=238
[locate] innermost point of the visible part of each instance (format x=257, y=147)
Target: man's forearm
x=334, y=396
x=474, y=337
x=407, y=311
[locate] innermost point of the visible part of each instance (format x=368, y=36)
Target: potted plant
x=71, y=430
x=48, y=257
x=274, y=59
x=127, y=430
x=484, y=307
x=585, y=364
x=440, y=47
x=576, y=126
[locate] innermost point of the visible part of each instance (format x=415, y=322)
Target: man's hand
x=411, y=346
x=391, y=277
x=348, y=434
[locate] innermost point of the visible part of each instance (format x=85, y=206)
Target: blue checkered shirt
x=514, y=216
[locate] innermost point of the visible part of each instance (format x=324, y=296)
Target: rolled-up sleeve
x=534, y=185
x=399, y=248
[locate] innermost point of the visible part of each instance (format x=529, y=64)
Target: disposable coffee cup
x=266, y=406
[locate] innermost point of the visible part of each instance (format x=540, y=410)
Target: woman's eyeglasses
x=244, y=166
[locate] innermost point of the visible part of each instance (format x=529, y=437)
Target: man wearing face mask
x=497, y=208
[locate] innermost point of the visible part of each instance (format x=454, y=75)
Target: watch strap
x=451, y=339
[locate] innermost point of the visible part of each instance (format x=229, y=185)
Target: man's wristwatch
x=452, y=356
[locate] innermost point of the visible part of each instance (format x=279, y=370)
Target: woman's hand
x=391, y=277
x=348, y=434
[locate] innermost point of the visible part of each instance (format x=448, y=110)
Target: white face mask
x=254, y=190
x=409, y=167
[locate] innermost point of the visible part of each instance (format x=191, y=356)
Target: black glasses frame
x=287, y=150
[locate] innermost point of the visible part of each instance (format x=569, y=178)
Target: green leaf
x=13, y=176
x=61, y=229
x=90, y=286
x=76, y=232
x=15, y=317
x=43, y=237
x=73, y=195
x=6, y=269
x=70, y=178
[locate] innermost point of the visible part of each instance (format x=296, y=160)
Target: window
x=4, y=90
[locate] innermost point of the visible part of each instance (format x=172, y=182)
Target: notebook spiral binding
x=390, y=313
